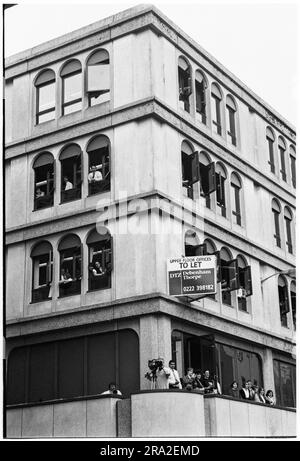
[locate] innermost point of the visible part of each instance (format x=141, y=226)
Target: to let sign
x=194, y=275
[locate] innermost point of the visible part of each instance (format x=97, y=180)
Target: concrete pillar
x=268, y=374
x=155, y=341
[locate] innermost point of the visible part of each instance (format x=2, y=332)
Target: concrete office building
x=110, y=129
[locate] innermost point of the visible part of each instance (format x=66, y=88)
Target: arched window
x=207, y=176
x=192, y=245
x=276, y=213
x=70, y=250
x=271, y=139
x=190, y=168
x=225, y=259
x=71, y=173
x=42, y=270
x=98, y=77
x=99, y=165
x=283, y=300
x=288, y=217
x=200, y=88
x=282, y=149
x=243, y=270
x=221, y=176
x=100, y=259
x=293, y=301
x=216, y=96
x=184, y=83
x=44, y=181
x=293, y=164
x=236, y=189
x=71, y=75
x=210, y=249
x=231, y=119
x=45, y=96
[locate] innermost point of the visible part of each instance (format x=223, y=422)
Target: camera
x=115, y=391
x=154, y=364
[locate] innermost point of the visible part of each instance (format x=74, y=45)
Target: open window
x=200, y=89
x=236, y=186
x=282, y=149
x=288, y=217
x=44, y=181
x=293, y=302
x=71, y=173
x=231, y=119
x=192, y=245
x=270, y=140
x=42, y=270
x=100, y=260
x=99, y=165
x=71, y=75
x=216, y=96
x=45, y=96
x=229, y=275
x=184, y=83
x=98, y=77
x=276, y=209
x=293, y=165
x=283, y=300
x=245, y=283
x=70, y=250
x=190, y=168
x=207, y=177
x=221, y=176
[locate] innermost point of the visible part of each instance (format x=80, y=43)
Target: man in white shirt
x=68, y=184
x=95, y=175
x=174, y=380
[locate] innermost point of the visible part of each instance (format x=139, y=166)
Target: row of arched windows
x=186, y=87
x=288, y=218
x=72, y=268
x=283, y=156
x=199, y=168
x=96, y=85
x=72, y=174
x=286, y=303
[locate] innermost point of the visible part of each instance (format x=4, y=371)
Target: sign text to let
x=192, y=275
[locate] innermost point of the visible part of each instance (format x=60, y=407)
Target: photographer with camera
x=158, y=374
x=174, y=380
x=112, y=389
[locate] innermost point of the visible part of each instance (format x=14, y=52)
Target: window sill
x=68, y=296
x=41, y=301
x=44, y=208
x=69, y=201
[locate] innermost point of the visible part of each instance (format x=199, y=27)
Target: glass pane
x=227, y=357
x=286, y=381
x=94, y=100
x=46, y=95
x=41, y=373
x=70, y=368
x=72, y=108
x=129, y=374
x=101, y=366
x=16, y=376
x=46, y=117
x=243, y=365
x=72, y=88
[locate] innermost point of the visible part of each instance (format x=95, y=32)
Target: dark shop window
x=99, y=165
x=44, y=181
x=285, y=383
x=71, y=173
x=42, y=271
x=45, y=96
x=100, y=260
x=70, y=250
x=71, y=75
x=98, y=77
x=184, y=83
x=70, y=368
x=41, y=373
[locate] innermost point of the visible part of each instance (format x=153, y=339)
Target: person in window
x=188, y=379
x=97, y=269
x=174, y=380
x=68, y=184
x=261, y=395
x=198, y=386
x=208, y=382
x=246, y=393
x=256, y=394
x=112, y=389
x=270, y=399
x=65, y=276
x=159, y=375
x=39, y=193
x=234, y=390
x=95, y=175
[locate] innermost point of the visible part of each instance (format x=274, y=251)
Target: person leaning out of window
x=174, y=380
x=270, y=398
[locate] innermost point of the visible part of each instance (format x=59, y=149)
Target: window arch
x=42, y=271
x=207, y=175
x=70, y=250
x=192, y=245
x=225, y=259
x=210, y=246
x=190, y=168
x=71, y=75
x=216, y=108
x=98, y=77
x=98, y=150
x=283, y=300
x=288, y=217
x=221, y=176
x=236, y=185
x=44, y=180
x=282, y=150
x=231, y=110
x=270, y=140
x=293, y=164
x=293, y=301
x=100, y=247
x=200, y=89
x=45, y=96
x=276, y=210
x=71, y=172
x=184, y=83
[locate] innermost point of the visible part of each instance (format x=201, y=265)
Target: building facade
x=111, y=132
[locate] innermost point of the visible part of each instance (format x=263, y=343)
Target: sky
x=257, y=42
